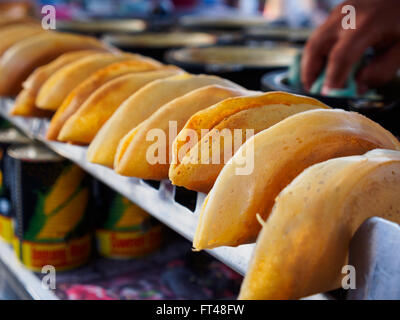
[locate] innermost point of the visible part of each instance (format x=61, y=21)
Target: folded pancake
x=197, y=164
x=6, y=21
x=270, y=160
x=82, y=126
x=82, y=91
x=19, y=61
x=56, y=89
x=25, y=102
x=139, y=107
x=304, y=244
x=133, y=156
x=12, y=34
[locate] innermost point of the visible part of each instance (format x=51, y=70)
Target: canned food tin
x=8, y=137
x=50, y=198
x=126, y=231
x=4, y=123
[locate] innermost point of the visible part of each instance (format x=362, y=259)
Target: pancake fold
x=107, y=69
x=229, y=124
x=25, y=101
x=273, y=158
x=132, y=158
x=304, y=244
x=21, y=59
x=142, y=105
x=54, y=91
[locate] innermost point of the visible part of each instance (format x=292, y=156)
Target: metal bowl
x=292, y=35
x=241, y=64
x=221, y=22
x=157, y=44
x=101, y=26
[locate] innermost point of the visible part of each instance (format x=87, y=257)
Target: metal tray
x=103, y=26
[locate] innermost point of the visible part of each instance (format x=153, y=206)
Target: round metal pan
x=157, y=44
x=101, y=26
x=221, y=22
x=243, y=65
x=292, y=35
x=385, y=111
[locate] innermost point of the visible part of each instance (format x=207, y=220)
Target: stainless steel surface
x=99, y=26
x=223, y=22
x=161, y=39
x=239, y=56
x=284, y=33
x=375, y=255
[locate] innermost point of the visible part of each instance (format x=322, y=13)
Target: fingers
x=381, y=70
x=342, y=48
x=345, y=53
x=315, y=53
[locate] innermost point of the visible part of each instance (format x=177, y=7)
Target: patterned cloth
x=174, y=272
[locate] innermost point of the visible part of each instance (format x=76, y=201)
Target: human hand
x=377, y=26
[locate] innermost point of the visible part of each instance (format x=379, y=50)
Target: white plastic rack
x=176, y=207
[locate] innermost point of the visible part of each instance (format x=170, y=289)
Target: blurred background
x=282, y=12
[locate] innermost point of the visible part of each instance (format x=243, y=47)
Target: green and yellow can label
x=1, y=174
x=50, y=197
x=128, y=231
x=6, y=228
x=61, y=255
x=128, y=244
x=59, y=210
x=123, y=215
